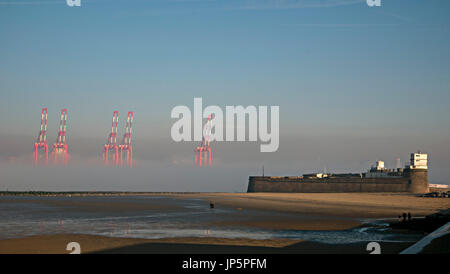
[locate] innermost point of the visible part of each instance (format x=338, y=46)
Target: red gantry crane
x=60, y=146
x=126, y=141
x=111, y=144
x=205, y=147
x=41, y=143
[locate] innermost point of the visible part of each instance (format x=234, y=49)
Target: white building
x=419, y=161
x=378, y=171
x=380, y=165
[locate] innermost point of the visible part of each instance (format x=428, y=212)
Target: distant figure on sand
x=409, y=216
x=404, y=217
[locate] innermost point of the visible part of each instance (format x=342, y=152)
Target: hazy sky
x=354, y=84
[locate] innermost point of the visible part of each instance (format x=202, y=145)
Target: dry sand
x=329, y=211
x=56, y=244
x=351, y=205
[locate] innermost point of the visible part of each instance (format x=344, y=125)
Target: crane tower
x=60, y=146
x=41, y=143
x=204, y=149
x=126, y=141
x=111, y=144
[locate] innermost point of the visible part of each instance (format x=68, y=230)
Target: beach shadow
x=298, y=248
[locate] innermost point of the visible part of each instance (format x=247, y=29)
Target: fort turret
x=417, y=173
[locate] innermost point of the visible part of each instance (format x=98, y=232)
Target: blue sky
x=370, y=83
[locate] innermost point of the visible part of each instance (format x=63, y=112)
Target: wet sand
x=98, y=206
x=284, y=223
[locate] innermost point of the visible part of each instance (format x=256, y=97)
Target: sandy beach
x=355, y=205
x=340, y=209
x=337, y=211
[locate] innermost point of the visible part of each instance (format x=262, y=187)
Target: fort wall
x=413, y=181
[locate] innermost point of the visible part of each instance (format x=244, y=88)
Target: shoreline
x=353, y=205
x=299, y=211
